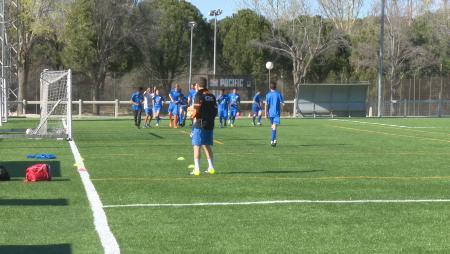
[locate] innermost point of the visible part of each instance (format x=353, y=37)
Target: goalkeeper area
x=345, y=185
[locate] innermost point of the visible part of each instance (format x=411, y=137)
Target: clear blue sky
x=228, y=6
x=232, y=6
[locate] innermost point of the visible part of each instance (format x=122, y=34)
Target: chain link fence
x=414, y=97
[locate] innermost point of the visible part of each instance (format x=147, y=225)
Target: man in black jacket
x=204, y=112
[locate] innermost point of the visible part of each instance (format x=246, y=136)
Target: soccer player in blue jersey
x=173, y=110
x=257, y=108
x=183, y=110
x=158, y=102
x=191, y=97
x=274, y=101
x=148, y=107
x=235, y=100
x=223, y=102
x=137, y=98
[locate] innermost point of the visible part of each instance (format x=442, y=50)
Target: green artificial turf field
x=400, y=161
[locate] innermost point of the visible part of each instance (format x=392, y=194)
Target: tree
x=238, y=35
x=165, y=42
x=295, y=33
x=37, y=19
x=343, y=13
x=96, y=31
x=399, y=48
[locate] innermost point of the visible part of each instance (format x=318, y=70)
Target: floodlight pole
x=215, y=13
x=381, y=59
x=192, y=25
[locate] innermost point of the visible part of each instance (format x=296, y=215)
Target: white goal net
x=56, y=107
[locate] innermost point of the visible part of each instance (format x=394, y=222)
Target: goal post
x=55, y=105
x=4, y=107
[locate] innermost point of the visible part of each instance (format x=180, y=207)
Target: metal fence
x=119, y=108
x=421, y=97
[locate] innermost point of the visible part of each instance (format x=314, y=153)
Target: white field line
x=275, y=202
x=107, y=238
x=384, y=124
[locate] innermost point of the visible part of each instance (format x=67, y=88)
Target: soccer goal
x=55, y=104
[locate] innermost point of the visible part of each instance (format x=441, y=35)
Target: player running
x=235, y=100
x=204, y=111
x=148, y=107
x=158, y=102
x=174, y=96
x=183, y=105
x=274, y=101
x=257, y=108
x=223, y=102
x=191, y=96
x=136, y=105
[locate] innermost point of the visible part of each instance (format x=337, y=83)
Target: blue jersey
x=158, y=101
x=137, y=97
x=192, y=94
x=184, y=102
x=273, y=101
x=223, y=101
x=175, y=96
x=257, y=99
x=235, y=99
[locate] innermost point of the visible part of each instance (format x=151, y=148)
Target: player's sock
x=210, y=164
x=254, y=118
x=220, y=121
x=274, y=134
x=259, y=119
x=196, y=164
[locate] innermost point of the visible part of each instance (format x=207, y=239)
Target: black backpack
x=4, y=176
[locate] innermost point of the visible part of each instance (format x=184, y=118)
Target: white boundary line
x=274, y=202
x=384, y=124
x=107, y=238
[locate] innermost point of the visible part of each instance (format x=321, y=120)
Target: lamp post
x=215, y=13
x=269, y=66
x=380, y=107
x=192, y=25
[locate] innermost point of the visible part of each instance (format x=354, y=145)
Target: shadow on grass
x=33, y=202
x=314, y=145
x=18, y=168
x=156, y=135
x=36, y=249
x=22, y=179
x=271, y=172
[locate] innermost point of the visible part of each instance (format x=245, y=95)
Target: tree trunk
x=95, y=97
x=22, y=72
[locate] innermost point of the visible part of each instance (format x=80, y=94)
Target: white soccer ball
x=28, y=131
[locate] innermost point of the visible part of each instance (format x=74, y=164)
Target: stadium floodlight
x=192, y=25
x=215, y=13
x=56, y=106
x=269, y=66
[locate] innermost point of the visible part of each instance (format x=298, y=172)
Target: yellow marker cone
x=191, y=166
x=181, y=158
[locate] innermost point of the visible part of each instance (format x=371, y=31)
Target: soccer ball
x=28, y=131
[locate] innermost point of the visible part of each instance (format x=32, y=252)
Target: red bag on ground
x=38, y=172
